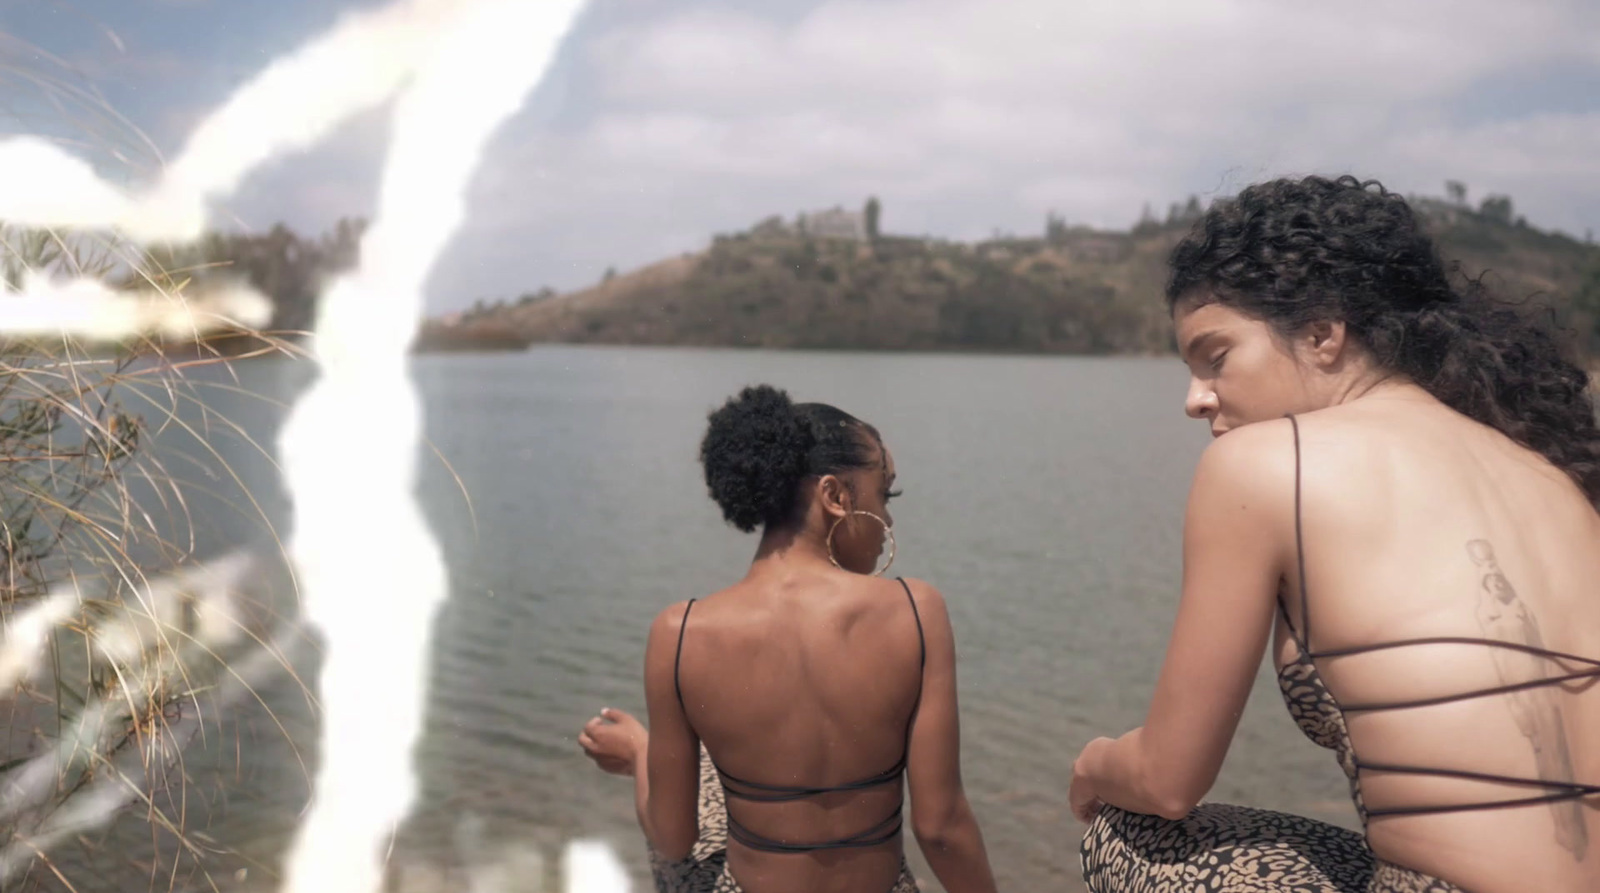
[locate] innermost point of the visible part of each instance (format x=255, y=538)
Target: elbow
x=1129, y=776
x=671, y=846
x=939, y=829
x=1175, y=808
x=674, y=848
x=1171, y=802
x=1169, y=790
x=675, y=853
x=931, y=836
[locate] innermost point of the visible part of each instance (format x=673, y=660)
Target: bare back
x=1419, y=523
x=809, y=679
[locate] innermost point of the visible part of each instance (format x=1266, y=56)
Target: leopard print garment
x=1220, y=848
x=1234, y=849
x=1317, y=713
x=706, y=868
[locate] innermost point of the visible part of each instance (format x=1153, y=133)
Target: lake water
x=1043, y=495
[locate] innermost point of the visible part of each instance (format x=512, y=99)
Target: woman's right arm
x=941, y=817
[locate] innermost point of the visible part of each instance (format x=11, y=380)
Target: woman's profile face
x=1240, y=370
x=859, y=541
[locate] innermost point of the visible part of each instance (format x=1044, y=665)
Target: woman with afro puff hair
x=791, y=712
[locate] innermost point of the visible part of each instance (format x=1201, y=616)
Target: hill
x=1072, y=290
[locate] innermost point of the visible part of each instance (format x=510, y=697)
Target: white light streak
x=89, y=308
x=369, y=571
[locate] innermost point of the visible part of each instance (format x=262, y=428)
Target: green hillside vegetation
x=1070, y=290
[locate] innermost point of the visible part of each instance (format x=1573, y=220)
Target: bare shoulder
x=1256, y=458
x=705, y=607
x=670, y=620
x=928, y=599
x=1353, y=450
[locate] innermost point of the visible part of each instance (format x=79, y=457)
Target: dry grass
x=121, y=649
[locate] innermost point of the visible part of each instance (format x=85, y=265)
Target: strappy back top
x=1322, y=718
x=744, y=789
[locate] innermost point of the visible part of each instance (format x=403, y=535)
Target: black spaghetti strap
x=777, y=793
x=1459, y=640
x=1592, y=670
x=1304, y=633
x=1481, y=776
x=1592, y=673
x=678, y=658
x=1559, y=790
x=878, y=834
x=922, y=642
x=1573, y=794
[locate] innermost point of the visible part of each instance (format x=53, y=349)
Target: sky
x=665, y=122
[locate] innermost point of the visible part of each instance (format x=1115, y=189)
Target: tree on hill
x=1055, y=227
x=1188, y=212
x=1496, y=208
x=1585, y=311
x=871, y=214
x=1147, y=222
x=533, y=297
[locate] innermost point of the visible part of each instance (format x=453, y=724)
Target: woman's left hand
x=614, y=740
x=1082, y=798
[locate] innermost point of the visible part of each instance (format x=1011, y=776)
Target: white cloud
x=967, y=115
x=1096, y=53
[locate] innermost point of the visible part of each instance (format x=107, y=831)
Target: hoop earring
x=887, y=531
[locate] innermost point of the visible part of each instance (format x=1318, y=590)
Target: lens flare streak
x=370, y=574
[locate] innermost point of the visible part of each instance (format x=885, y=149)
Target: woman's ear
x=834, y=495
x=1326, y=341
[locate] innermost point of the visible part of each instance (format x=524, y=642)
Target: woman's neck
x=787, y=548
x=1384, y=387
x=1367, y=383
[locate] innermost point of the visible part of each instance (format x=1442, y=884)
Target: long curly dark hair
x=760, y=445
x=1295, y=252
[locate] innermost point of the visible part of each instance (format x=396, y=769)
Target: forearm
x=659, y=830
x=956, y=853
x=1121, y=774
x=641, y=790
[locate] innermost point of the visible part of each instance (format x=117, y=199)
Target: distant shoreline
x=808, y=349
x=508, y=344
x=1073, y=291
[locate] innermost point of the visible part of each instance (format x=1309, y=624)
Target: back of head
x=1297, y=252
x=760, y=446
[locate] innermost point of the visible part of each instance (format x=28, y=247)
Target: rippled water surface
x=1044, y=496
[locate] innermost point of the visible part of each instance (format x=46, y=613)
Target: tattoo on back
x=1537, y=711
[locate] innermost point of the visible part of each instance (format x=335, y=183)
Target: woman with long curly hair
x=819, y=690
x=1402, y=500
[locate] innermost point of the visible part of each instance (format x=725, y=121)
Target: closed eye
x=892, y=494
